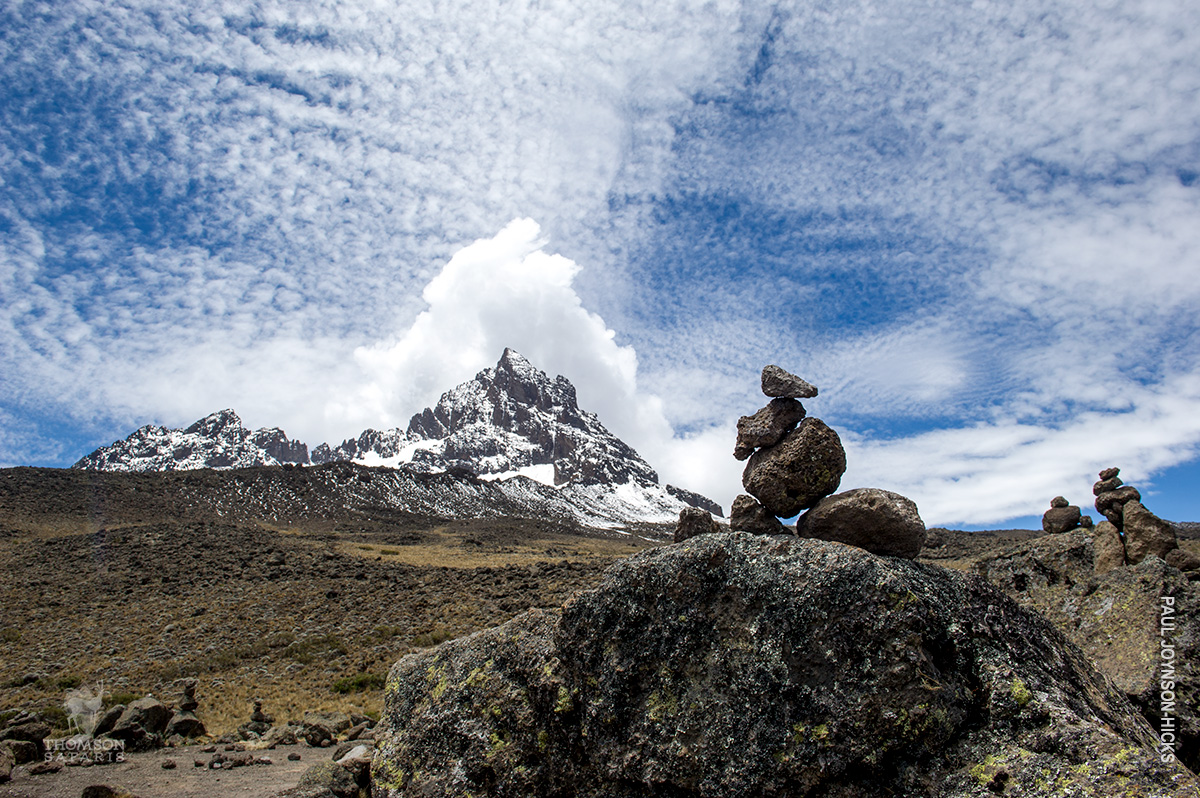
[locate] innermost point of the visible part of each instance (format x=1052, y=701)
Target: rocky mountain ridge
x=511, y=424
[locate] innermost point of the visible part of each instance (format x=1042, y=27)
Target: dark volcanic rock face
x=741, y=665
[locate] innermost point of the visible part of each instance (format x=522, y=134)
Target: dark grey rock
x=1112, y=501
x=1106, y=485
x=767, y=427
x=330, y=776
x=1145, y=533
x=142, y=724
x=1182, y=559
x=109, y=719
x=106, y=791
x=694, y=521
x=7, y=763
x=1061, y=519
x=799, y=471
x=1086, y=521
x=23, y=751
x=877, y=520
x=1108, y=548
x=321, y=728
x=189, y=702
x=779, y=383
x=185, y=724
x=1059, y=501
x=747, y=515
x=740, y=665
x=1109, y=473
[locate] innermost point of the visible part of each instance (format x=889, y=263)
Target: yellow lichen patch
x=1020, y=693
x=564, y=702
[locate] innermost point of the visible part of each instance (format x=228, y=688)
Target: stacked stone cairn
x=1063, y=517
x=796, y=463
x=1130, y=533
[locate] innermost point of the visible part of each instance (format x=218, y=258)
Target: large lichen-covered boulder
x=1114, y=615
x=741, y=665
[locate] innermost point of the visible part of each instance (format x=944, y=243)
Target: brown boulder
x=747, y=515
x=1145, y=533
x=1109, y=473
x=1115, y=499
x=799, y=471
x=767, y=427
x=877, y=520
x=779, y=383
x=694, y=521
x=1106, y=485
x=1182, y=559
x=1061, y=519
x=1059, y=501
x=1108, y=550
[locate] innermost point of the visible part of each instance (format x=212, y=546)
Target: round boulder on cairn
x=1061, y=517
x=877, y=520
x=799, y=471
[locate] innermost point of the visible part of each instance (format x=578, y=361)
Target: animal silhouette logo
x=83, y=706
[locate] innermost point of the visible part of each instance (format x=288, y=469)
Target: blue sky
x=976, y=227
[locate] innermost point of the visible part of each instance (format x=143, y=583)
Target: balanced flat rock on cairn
x=795, y=462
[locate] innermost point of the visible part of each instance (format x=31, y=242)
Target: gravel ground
x=143, y=775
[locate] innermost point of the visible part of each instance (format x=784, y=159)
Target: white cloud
x=995, y=471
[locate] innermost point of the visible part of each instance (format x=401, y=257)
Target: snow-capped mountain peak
x=219, y=440
x=511, y=420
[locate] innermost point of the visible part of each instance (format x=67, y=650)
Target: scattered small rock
x=293, y=757
x=168, y=764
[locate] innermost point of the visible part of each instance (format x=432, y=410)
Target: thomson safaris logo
x=83, y=706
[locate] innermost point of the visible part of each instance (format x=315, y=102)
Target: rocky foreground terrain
x=416, y=635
